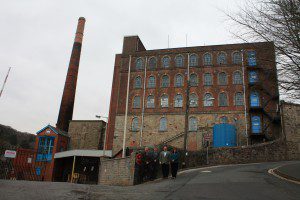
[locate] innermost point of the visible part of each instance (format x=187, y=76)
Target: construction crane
x=5, y=81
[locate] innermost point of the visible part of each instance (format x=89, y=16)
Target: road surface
x=250, y=181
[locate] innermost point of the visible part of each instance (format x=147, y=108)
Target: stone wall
x=118, y=171
x=291, y=128
x=86, y=134
x=175, y=125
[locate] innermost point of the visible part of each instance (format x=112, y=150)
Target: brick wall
x=86, y=134
x=118, y=171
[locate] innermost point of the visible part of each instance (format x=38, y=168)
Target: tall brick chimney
x=68, y=98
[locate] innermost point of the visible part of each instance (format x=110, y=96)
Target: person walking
x=174, y=162
x=164, y=160
x=154, y=164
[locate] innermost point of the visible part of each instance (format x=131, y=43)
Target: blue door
x=254, y=99
x=253, y=77
x=256, y=124
x=251, y=58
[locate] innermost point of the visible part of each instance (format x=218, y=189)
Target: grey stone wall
x=118, y=171
x=86, y=134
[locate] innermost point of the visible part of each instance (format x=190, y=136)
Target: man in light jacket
x=164, y=160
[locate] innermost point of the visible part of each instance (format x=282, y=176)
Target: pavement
x=289, y=171
x=249, y=181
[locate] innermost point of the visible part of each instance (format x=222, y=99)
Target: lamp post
x=206, y=142
x=104, y=143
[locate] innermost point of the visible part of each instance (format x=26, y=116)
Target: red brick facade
x=267, y=88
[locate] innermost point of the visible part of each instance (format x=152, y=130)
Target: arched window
x=178, y=101
x=237, y=58
x=178, y=80
x=137, y=102
x=208, y=100
x=193, y=80
x=165, y=82
x=150, y=101
x=163, y=124
x=221, y=59
x=239, y=99
x=166, y=62
x=222, y=77
x=223, y=101
x=135, y=124
x=139, y=63
x=193, y=60
x=179, y=61
x=192, y=124
x=151, y=82
x=223, y=120
x=207, y=79
x=237, y=78
x=193, y=100
x=138, y=82
x=164, y=101
x=207, y=59
x=152, y=63
x=253, y=77
x=254, y=99
x=255, y=124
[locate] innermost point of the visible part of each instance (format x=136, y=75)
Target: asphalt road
x=250, y=181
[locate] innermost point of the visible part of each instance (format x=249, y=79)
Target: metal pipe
x=73, y=168
x=5, y=81
x=187, y=109
x=143, y=104
x=126, y=109
x=245, y=104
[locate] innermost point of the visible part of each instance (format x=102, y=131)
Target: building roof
x=84, y=153
x=55, y=130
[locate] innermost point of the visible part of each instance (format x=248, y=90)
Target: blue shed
x=224, y=135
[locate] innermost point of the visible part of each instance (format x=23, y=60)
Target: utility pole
x=5, y=81
x=186, y=124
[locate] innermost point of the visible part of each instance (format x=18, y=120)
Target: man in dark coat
x=148, y=158
x=154, y=164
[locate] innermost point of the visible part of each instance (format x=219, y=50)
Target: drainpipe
x=187, y=110
x=143, y=105
x=126, y=109
x=245, y=102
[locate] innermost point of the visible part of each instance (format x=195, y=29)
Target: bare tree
x=277, y=21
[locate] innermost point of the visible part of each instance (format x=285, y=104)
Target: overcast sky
x=37, y=38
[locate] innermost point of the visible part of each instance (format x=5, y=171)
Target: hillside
x=10, y=137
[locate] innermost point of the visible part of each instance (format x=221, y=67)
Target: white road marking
x=205, y=171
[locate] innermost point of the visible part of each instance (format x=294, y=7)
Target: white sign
x=10, y=154
x=29, y=160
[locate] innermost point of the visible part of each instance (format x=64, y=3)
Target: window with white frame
x=139, y=63
x=165, y=81
x=152, y=63
x=151, y=82
x=237, y=78
x=137, y=102
x=193, y=80
x=192, y=124
x=164, y=101
x=223, y=101
x=208, y=100
x=135, y=124
x=166, y=62
x=193, y=60
x=163, y=124
x=222, y=78
x=178, y=101
x=178, y=80
x=179, y=61
x=193, y=100
x=207, y=59
x=221, y=58
x=150, y=101
x=207, y=79
x=138, y=82
x=239, y=99
x=237, y=58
